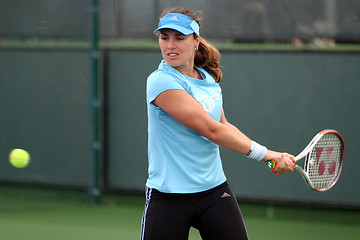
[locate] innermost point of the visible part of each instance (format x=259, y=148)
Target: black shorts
x=215, y=213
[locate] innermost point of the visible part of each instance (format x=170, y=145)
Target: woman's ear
x=197, y=42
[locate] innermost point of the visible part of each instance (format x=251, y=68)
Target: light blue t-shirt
x=180, y=159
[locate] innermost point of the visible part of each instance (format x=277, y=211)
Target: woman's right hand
x=284, y=162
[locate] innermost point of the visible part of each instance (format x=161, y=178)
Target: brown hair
x=207, y=56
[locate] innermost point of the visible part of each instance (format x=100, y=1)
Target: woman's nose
x=171, y=44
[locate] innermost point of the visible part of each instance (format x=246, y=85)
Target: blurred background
x=72, y=93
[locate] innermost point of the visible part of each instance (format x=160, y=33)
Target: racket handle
x=270, y=164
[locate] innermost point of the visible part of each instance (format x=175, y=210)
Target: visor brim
x=178, y=28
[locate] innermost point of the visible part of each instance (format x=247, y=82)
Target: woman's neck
x=190, y=72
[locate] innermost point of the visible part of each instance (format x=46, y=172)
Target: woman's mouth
x=172, y=54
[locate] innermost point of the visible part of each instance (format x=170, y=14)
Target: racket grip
x=270, y=164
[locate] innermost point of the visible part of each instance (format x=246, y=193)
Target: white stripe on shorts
x=143, y=221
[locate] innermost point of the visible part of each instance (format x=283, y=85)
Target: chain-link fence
x=44, y=104
x=244, y=20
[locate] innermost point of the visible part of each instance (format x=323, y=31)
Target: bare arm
x=186, y=110
x=284, y=161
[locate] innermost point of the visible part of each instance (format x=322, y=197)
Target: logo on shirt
x=207, y=100
x=209, y=105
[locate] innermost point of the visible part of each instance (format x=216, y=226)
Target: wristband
x=257, y=151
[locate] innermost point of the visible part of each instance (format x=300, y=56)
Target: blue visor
x=179, y=22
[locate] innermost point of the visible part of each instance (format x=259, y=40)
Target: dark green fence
x=280, y=99
x=280, y=95
x=44, y=105
x=238, y=20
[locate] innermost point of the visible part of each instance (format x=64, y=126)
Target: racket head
x=324, y=160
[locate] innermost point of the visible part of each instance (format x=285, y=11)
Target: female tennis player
x=187, y=186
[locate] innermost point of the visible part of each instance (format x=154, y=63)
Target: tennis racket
x=324, y=160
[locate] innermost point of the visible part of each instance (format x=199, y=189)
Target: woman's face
x=178, y=50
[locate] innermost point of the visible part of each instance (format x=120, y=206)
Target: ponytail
x=208, y=57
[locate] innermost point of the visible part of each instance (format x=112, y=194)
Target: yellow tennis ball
x=19, y=158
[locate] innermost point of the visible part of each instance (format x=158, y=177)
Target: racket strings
x=324, y=161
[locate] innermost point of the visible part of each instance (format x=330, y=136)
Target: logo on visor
x=174, y=18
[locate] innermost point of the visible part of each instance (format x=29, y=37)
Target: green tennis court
x=120, y=219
